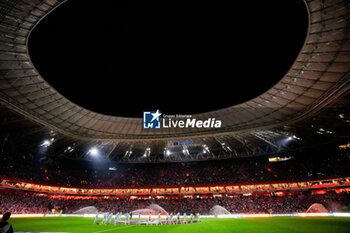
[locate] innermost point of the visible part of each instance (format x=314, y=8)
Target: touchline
x=191, y=123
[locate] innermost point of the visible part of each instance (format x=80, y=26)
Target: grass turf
x=251, y=225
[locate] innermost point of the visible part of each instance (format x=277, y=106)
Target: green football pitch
x=248, y=225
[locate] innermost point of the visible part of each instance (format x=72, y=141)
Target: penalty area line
x=113, y=229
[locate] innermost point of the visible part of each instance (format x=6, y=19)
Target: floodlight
x=46, y=143
x=93, y=151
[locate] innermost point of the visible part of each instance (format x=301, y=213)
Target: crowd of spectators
x=23, y=203
x=244, y=170
x=16, y=202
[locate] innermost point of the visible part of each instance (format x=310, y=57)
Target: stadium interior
x=281, y=150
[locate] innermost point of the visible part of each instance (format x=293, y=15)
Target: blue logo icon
x=151, y=120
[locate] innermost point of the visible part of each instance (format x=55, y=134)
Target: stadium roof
x=318, y=78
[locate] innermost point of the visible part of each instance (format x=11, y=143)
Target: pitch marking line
x=113, y=229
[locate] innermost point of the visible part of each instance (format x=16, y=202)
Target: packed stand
x=25, y=203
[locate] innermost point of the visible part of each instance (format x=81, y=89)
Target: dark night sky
x=125, y=57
